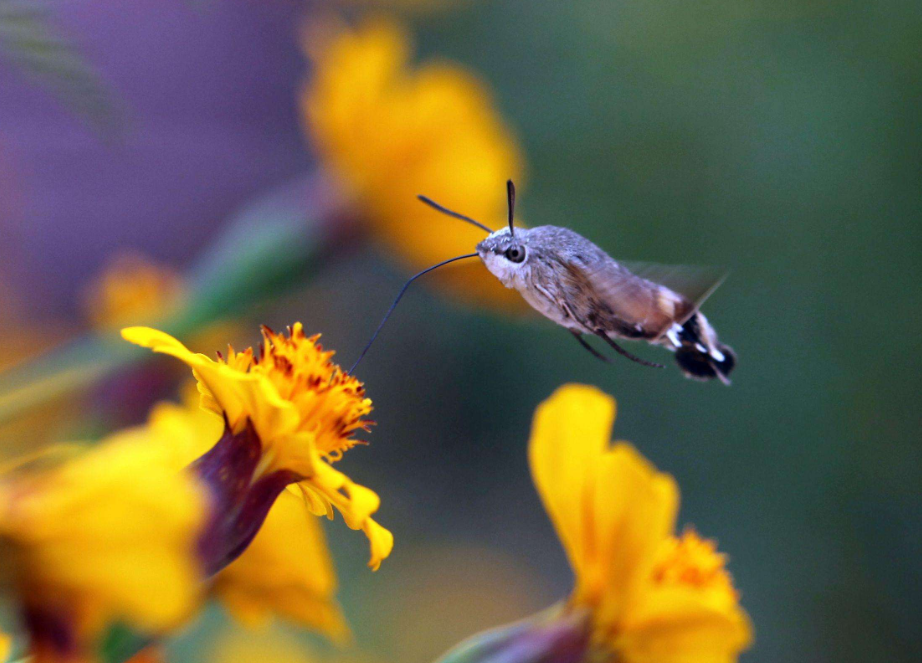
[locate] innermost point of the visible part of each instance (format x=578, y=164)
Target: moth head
x=505, y=255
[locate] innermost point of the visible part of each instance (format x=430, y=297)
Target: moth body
x=574, y=283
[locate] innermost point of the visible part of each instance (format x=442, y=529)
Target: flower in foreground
x=103, y=535
x=286, y=570
x=289, y=413
x=139, y=528
x=643, y=594
x=388, y=132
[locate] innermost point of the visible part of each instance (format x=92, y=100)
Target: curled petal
x=381, y=541
x=356, y=503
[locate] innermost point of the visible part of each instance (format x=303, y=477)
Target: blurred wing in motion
x=643, y=300
x=694, y=282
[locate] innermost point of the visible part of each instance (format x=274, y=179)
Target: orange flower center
x=694, y=562
x=332, y=404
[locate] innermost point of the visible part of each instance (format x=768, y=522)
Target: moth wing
x=694, y=282
x=644, y=300
x=615, y=299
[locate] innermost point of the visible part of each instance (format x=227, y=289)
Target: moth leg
x=621, y=351
x=595, y=353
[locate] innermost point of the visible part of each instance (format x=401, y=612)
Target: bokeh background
x=781, y=139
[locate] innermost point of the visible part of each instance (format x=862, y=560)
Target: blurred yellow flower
x=6, y=645
x=286, y=570
x=388, y=132
x=302, y=410
x=182, y=432
x=650, y=596
x=132, y=290
x=108, y=534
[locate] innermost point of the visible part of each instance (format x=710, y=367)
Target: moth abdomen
x=700, y=355
x=702, y=366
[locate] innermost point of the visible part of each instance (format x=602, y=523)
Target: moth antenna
x=510, y=197
x=397, y=300
x=444, y=210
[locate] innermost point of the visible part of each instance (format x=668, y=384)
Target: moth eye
x=515, y=254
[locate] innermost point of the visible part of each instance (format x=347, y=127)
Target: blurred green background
x=779, y=139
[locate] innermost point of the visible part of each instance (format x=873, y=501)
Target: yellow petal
x=356, y=503
x=381, y=541
x=610, y=507
x=287, y=571
x=154, y=339
x=6, y=645
x=185, y=432
x=674, y=625
x=232, y=393
x=115, y=530
x=635, y=510
x=569, y=432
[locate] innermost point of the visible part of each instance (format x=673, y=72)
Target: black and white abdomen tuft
x=698, y=352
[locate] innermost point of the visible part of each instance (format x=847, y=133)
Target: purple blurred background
x=208, y=95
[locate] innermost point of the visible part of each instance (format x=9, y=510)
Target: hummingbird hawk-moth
x=573, y=282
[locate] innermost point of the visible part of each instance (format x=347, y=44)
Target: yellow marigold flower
x=287, y=569
x=642, y=595
x=290, y=412
x=652, y=596
x=132, y=290
x=389, y=133
x=109, y=534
